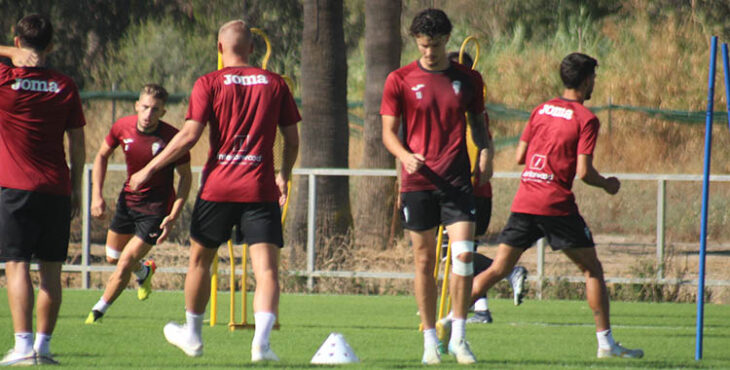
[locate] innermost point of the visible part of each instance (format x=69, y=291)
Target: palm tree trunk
x=375, y=195
x=324, y=129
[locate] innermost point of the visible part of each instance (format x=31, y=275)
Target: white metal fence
x=311, y=272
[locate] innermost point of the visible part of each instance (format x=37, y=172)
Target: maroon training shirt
x=37, y=105
x=244, y=105
x=157, y=195
x=558, y=131
x=433, y=106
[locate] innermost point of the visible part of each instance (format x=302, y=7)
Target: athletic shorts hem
x=207, y=243
x=562, y=232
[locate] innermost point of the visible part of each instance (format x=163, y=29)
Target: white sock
x=605, y=339
x=458, y=330
x=481, y=304
x=450, y=316
x=101, y=306
x=430, y=339
x=42, y=343
x=142, y=272
x=195, y=326
x=23, y=342
x=264, y=322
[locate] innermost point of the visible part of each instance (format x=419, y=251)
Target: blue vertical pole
x=726, y=68
x=705, y=198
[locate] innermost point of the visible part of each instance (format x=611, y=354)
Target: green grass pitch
x=383, y=333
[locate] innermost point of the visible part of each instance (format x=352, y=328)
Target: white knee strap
x=459, y=267
x=112, y=253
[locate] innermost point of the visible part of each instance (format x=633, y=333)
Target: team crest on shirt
x=456, y=85
x=126, y=144
x=156, y=148
x=416, y=89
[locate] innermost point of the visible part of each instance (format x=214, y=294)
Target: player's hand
x=165, y=226
x=25, y=58
x=413, y=162
x=612, y=185
x=282, y=183
x=98, y=206
x=485, y=168
x=75, y=203
x=139, y=178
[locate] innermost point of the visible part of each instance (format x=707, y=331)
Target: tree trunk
x=324, y=129
x=376, y=195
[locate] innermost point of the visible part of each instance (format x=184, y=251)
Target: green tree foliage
x=161, y=51
x=281, y=20
x=85, y=29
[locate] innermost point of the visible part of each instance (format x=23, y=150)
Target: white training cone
x=334, y=350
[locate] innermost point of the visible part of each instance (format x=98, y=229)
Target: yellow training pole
x=286, y=203
x=232, y=288
x=214, y=292
x=439, y=241
x=261, y=33
x=445, y=285
x=462, y=50
x=289, y=83
x=244, y=286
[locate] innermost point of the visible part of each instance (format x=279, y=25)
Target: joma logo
x=35, y=85
x=245, y=80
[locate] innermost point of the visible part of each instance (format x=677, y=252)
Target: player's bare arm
x=77, y=151
x=290, y=134
x=178, y=146
x=411, y=161
x=183, y=190
x=21, y=57
x=521, y=152
x=484, y=144
x=586, y=172
x=98, y=175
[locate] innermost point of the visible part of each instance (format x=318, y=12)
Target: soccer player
x=38, y=195
x=483, y=202
x=244, y=105
x=556, y=145
x=433, y=95
x=143, y=217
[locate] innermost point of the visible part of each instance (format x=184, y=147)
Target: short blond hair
x=156, y=91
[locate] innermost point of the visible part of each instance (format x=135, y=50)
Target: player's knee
x=424, y=261
x=112, y=255
x=126, y=265
x=461, y=257
x=594, y=270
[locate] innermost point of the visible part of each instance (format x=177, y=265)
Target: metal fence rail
x=311, y=272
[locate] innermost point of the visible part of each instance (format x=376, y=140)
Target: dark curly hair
x=430, y=22
x=576, y=68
